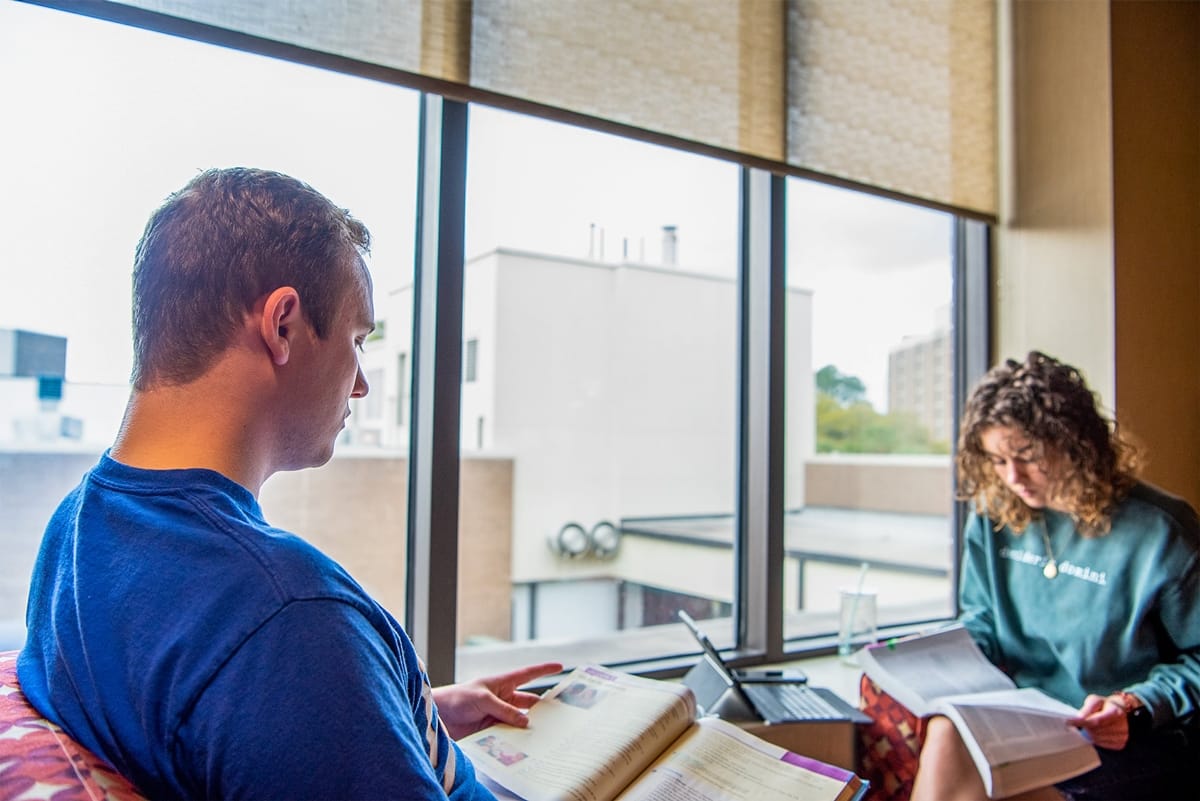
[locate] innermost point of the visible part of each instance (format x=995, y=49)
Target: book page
x=1016, y=725
x=920, y=670
x=1026, y=699
x=717, y=761
x=1040, y=771
x=1016, y=749
x=587, y=738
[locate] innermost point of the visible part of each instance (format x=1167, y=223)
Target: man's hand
x=1104, y=721
x=468, y=707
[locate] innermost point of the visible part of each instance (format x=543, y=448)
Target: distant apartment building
x=920, y=382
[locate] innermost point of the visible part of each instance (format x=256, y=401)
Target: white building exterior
x=613, y=388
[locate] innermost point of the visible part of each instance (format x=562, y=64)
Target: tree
x=848, y=423
x=845, y=389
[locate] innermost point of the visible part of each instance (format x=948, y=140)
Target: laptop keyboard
x=784, y=702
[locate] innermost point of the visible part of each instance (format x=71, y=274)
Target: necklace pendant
x=1050, y=570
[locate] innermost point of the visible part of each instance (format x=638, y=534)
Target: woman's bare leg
x=946, y=772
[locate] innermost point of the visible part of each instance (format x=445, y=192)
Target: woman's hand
x=473, y=705
x=1104, y=720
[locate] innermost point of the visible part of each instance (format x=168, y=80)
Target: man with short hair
x=172, y=630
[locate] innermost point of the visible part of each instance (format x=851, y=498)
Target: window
x=470, y=361
x=373, y=403
x=402, y=396
x=603, y=273
x=868, y=462
x=605, y=473
x=83, y=170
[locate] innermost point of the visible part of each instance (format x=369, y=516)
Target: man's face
x=330, y=376
x=1020, y=464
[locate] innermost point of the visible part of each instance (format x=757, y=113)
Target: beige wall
x=1053, y=288
x=354, y=509
x=485, y=514
x=1156, y=191
x=1098, y=248
x=919, y=485
x=31, y=486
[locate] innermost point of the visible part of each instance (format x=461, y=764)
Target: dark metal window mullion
x=972, y=342
x=759, y=550
x=433, y=484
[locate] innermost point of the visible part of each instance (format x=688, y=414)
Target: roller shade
x=899, y=95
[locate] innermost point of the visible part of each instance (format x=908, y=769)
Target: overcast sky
x=102, y=122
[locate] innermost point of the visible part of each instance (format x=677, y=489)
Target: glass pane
x=598, y=419
x=106, y=121
x=868, y=477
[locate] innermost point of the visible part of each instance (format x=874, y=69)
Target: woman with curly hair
x=1078, y=579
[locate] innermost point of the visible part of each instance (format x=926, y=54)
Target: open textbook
x=1018, y=738
x=601, y=735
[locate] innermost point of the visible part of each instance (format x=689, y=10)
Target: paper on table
x=717, y=761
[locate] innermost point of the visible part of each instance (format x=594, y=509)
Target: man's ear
x=280, y=322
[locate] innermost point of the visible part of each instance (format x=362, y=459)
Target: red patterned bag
x=890, y=745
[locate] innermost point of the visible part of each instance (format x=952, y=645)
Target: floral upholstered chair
x=39, y=761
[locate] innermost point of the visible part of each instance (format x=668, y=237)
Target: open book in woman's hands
x=1019, y=738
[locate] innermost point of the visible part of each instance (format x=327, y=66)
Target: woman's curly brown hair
x=1050, y=403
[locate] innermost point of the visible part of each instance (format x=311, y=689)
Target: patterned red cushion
x=39, y=761
x=890, y=745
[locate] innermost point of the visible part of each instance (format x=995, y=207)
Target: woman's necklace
x=1050, y=571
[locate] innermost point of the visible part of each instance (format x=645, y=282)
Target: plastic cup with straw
x=856, y=619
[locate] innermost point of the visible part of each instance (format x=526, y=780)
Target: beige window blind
x=899, y=95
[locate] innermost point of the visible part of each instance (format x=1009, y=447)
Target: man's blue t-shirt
x=206, y=654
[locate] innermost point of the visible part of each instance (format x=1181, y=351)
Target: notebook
x=773, y=701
